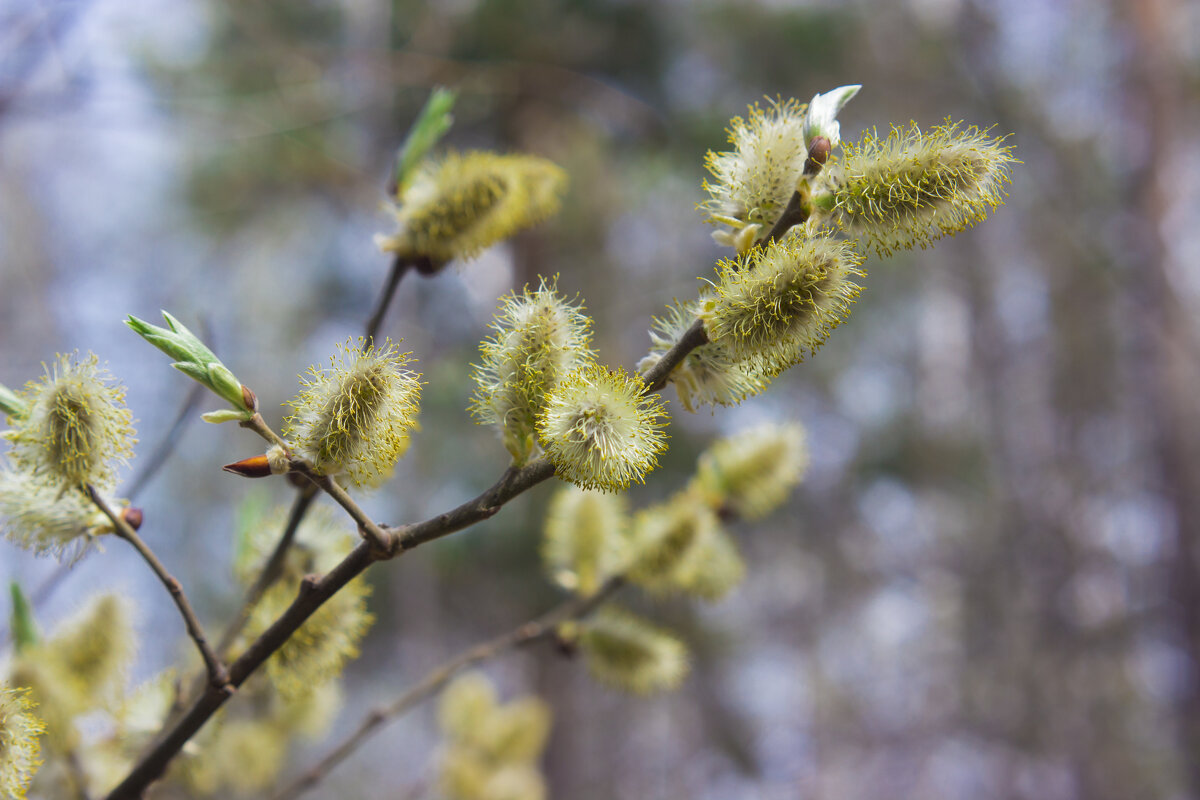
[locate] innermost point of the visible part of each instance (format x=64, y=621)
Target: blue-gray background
x=988, y=586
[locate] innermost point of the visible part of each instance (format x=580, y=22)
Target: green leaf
x=431, y=124
x=24, y=629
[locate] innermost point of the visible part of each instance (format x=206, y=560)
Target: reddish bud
x=253, y=467
x=818, y=154
x=133, y=517
x=249, y=398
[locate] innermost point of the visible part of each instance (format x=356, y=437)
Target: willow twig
x=400, y=265
x=218, y=676
x=528, y=633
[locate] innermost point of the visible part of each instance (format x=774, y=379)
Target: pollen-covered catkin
x=776, y=305
x=77, y=429
x=753, y=182
x=355, y=416
x=540, y=337
x=601, y=429
x=39, y=518
x=915, y=186
x=460, y=205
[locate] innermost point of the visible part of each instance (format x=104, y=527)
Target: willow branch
x=314, y=592
x=528, y=633
x=218, y=676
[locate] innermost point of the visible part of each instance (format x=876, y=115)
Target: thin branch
x=380, y=539
x=793, y=214
x=154, y=462
x=271, y=570
x=528, y=633
x=656, y=377
x=218, y=676
x=400, y=265
x=314, y=592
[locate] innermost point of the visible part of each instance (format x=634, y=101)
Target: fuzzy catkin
x=915, y=186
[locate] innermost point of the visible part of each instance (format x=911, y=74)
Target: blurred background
x=989, y=585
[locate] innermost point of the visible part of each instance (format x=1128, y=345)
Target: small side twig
x=218, y=675
x=400, y=265
x=525, y=634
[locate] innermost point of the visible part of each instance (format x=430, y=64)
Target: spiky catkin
x=41, y=519
x=540, y=337
x=915, y=186
x=709, y=374
x=628, y=653
x=319, y=650
x=77, y=429
x=754, y=181
x=751, y=473
x=776, y=305
x=464, y=203
x=20, y=748
x=601, y=429
x=354, y=417
x=586, y=538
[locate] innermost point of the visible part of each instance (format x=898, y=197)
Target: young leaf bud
x=601, y=429
x=355, y=416
x=431, y=124
x=915, y=186
x=708, y=375
x=44, y=521
x=77, y=430
x=777, y=304
x=750, y=474
x=586, y=539
x=20, y=749
x=820, y=119
x=540, y=337
x=23, y=627
x=194, y=359
x=463, y=204
x=628, y=653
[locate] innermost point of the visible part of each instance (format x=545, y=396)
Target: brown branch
x=400, y=265
x=380, y=539
x=656, y=377
x=218, y=676
x=528, y=633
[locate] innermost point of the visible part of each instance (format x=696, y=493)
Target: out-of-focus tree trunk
x=1156, y=96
